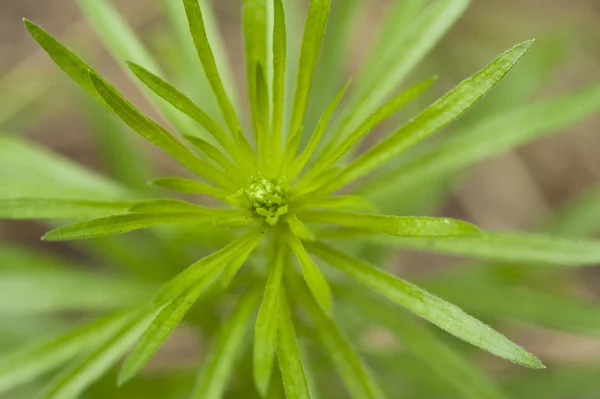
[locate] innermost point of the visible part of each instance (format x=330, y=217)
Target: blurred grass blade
x=55, y=208
x=37, y=172
x=189, y=186
x=170, y=205
x=358, y=379
x=491, y=137
x=278, y=84
x=300, y=162
x=443, y=314
x=375, y=119
x=265, y=332
x=219, y=366
x=314, y=30
x=26, y=364
x=288, y=354
x=206, y=55
x=340, y=202
x=119, y=224
x=417, y=40
x=446, y=363
x=37, y=292
x=316, y=281
x=508, y=247
x=401, y=226
x=158, y=135
x=71, y=383
x=577, y=217
x=436, y=116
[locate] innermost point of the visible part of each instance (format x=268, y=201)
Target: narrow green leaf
x=76, y=379
x=312, y=275
x=435, y=117
x=418, y=39
x=26, y=364
x=348, y=202
x=491, y=137
x=235, y=264
x=356, y=376
x=239, y=174
x=219, y=366
x=288, y=354
x=51, y=208
x=443, y=314
x=261, y=118
x=189, y=186
x=508, y=247
x=169, y=205
x=300, y=162
x=158, y=135
x=265, y=332
x=205, y=53
x=446, y=363
x=119, y=224
x=401, y=226
x=375, y=119
x=278, y=84
x=181, y=102
x=36, y=292
x=299, y=229
x=314, y=30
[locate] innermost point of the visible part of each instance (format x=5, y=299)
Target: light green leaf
x=76, y=379
x=37, y=292
x=219, y=365
x=388, y=109
x=288, y=354
x=314, y=30
x=300, y=162
x=356, y=376
x=349, y=202
x=235, y=265
x=169, y=205
x=119, y=224
x=299, y=229
x=26, y=364
x=158, y=135
x=508, y=247
x=265, y=332
x=278, y=84
x=33, y=171
x=401, y=226
x=446, y=363
x=181, y=102
x=491, y=137
x=189, y=186
x=443, y=314
x=435, y=117
x=418, y=39
x=55, y=208
x=205, y=53
x=316, y=281
x=261, y=118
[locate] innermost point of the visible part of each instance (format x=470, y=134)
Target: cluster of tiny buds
x=267, y=197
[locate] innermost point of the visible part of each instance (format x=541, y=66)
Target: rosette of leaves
x=280, y=202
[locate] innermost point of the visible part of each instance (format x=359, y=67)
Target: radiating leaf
x=491, y=137
x=316, y=281
x=261, y=117
x=358, y=379
x=441, y=313
x=158, y=135
x=299, y=229
x=75, y=380
x=418, y=39
x=401, y=226
x=265, y=332
x=170, y=205
x=219, y=366
x=189, y=186
x=120, y=224
x=348, y=202
x=278, y=84
x=25, y=364
x=435, y=117
x=288, y=354
x=56, y=208
x=314, y=30
x=446, y=363
x=239, y=174
x=205, y=53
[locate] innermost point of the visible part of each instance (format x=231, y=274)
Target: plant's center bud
x=267, y=198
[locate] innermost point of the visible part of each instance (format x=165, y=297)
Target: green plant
x=280, y=202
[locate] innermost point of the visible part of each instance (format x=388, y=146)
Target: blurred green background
x=512, y=191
